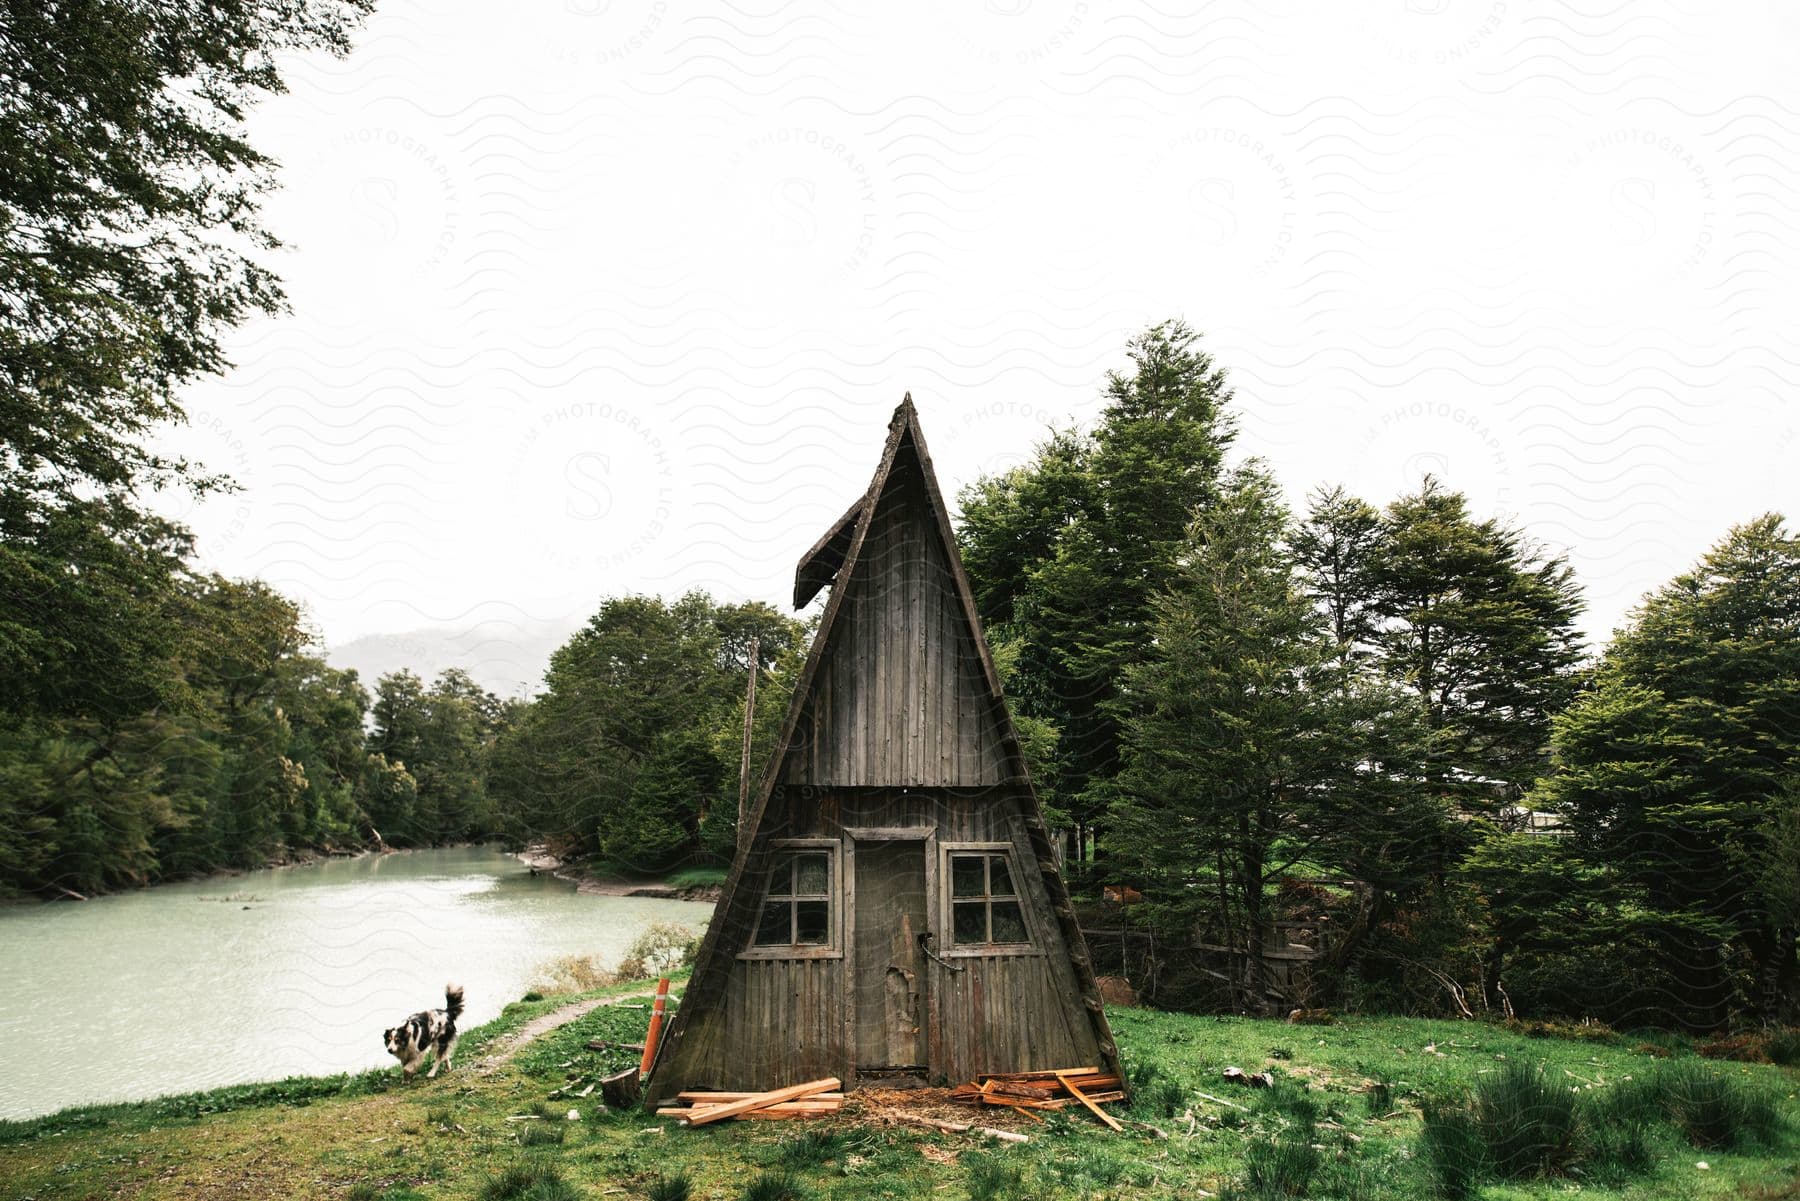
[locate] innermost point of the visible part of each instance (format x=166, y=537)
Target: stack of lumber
x=1054, y=1088
x=815, y=1099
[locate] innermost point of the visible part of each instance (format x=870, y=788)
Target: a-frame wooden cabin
x=895, y=913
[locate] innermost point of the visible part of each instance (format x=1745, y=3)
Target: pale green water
x=182, y=987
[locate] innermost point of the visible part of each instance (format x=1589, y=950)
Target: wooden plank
x=1067, y=1083
x=792, y=1092
x=788, y=1108
x=1045, y=1074
x=719, y=1098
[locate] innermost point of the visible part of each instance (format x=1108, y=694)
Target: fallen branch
x=1223, y=1101
x=966, y=1128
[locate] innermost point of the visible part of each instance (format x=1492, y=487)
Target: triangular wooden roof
x=833, y=560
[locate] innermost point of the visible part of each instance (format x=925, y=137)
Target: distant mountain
x=506, y=657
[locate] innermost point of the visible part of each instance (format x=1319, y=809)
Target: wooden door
x=889, y=1007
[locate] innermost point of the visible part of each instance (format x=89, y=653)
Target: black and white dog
x=425, y=1031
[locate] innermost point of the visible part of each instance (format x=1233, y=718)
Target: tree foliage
x=129, y=224
x=1258, y=755
x=631, y=754
x=1677, y=769
x=1068, y=553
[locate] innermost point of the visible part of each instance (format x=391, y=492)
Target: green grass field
x=1343, y=1122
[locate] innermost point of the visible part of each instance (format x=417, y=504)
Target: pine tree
x=1670, y=768
x=1067, y=554
x=1481, y=628
x=1248, y=758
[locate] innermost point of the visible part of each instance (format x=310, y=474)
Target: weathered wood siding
x=781, y=1021
x=896, y=743
x=900, y=697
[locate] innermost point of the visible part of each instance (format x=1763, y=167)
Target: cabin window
x=796, y=909
x=985, y=907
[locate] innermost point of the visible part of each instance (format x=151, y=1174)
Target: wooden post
x=744, y=763
x=656, y=1021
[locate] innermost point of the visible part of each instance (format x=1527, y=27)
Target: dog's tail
x=453, y=1001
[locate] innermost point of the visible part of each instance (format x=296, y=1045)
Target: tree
x=128, y=223
x=1247, y=759
x=1336, y=547
x=1066, y=554
x=128, y=236
x=1481, y=628
x=631, y=752
x=1675, y=768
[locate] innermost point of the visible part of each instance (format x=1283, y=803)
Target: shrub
x=1453, y=1151
x=1784, y=1047
x=659, y=950
x=811, y=1149
x=778, y=1185
x=1615, y=1151
x=1527, y=1123
x=571, y=974
x=1283, y=1167
x=529, y=1182
x=1714, y=1110
x=671, y=1188
x=362, y=1190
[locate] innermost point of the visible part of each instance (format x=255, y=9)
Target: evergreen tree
x=1672, y=768
x=1337, y=547
x=1067, y=554
x=1246, y=762
x=1481, y=628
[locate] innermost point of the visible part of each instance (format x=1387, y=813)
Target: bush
x=671, y=1188
x=570, y=974
x=530, y=1182
x=658, y=951
x=1453, y=1151
x=811, y=1149
x=1784, y=1047
x=1614, y=1152
x=1714, y=1110
x=1527, y=1123
x=1277, y=1168
x=779, y=1185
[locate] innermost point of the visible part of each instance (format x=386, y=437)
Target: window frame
x=952, y=949
x=833, y=948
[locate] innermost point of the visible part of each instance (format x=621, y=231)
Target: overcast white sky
x=595, y=296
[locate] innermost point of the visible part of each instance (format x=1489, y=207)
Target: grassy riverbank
x=1344, y=1121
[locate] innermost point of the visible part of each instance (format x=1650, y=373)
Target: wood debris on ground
x=815, y=1099
x=1029, y=1093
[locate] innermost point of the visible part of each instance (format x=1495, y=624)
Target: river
x=292, y=971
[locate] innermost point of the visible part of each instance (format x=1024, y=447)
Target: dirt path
x=503, y=1049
